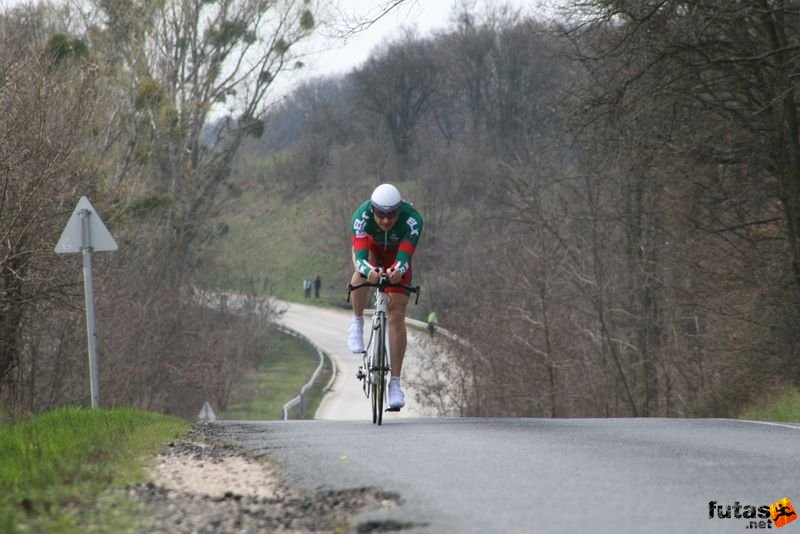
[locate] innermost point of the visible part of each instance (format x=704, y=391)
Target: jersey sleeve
x=358, y=227
x=408, y=244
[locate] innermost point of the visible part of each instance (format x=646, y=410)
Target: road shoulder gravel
x=201, y=484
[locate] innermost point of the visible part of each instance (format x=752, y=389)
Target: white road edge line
x=768, y=423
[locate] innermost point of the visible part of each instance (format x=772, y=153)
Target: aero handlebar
x=383, y=284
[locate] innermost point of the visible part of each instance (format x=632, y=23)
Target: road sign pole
x=86, y=234
x=91, y=335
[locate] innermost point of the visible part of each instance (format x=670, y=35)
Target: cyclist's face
x=386, y=220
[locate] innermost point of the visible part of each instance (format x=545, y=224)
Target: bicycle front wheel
x=374, y=365
x=379, y=373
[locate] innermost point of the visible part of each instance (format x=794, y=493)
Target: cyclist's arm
x=403, y=260
x=358, y=226
x=408, y=244
x=361, y=255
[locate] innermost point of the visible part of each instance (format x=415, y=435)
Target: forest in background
x=611, y=198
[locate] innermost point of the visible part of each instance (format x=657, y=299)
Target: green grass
x=781, y=407
x=287, y=366
x=265, y=250
x=55, y=466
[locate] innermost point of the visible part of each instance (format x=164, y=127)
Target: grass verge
x=313, y=396
x=287, y=366
x=781, y=407
x=55, y=467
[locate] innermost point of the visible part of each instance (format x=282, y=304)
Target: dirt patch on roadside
x=200, y=485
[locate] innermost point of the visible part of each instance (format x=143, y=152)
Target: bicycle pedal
x=392, y=409
x=360, y=374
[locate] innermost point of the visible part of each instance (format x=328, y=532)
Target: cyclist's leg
x=358, y=298
x=397, y=330
x=397, y=347
x=398, y=300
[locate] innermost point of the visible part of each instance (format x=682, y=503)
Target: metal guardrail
x=300, y=399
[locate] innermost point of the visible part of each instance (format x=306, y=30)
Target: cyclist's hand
x=395, y=276
x=374, y=275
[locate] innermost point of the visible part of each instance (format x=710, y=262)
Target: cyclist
x=385, y=232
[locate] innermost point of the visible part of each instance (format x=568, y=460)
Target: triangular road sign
x=207, y=413
x=72, y=237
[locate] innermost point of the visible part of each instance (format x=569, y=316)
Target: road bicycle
x=375, y=364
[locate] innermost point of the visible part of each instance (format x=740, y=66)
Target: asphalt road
x=529, y=475
x=544, y=475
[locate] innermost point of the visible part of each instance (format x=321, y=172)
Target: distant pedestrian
x=307, y=288
x=432, y=322
x=317, y=285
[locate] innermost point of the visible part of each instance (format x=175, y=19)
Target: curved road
x=327, y=328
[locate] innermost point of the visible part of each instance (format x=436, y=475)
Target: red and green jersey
x=401, y=239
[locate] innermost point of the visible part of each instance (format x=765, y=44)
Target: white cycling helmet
x=386, y=198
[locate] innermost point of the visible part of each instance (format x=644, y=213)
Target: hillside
x=274, y=238
x=271, y=245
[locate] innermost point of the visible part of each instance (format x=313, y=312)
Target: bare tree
x=729, y=62
x=398, y=85
x=47, y=98
x=500, y=71
x=682, y=114
x=181, y=63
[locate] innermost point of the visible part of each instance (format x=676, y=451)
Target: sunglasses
x=386, y=214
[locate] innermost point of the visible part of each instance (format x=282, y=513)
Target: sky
x=330, y=54
x=339, y=56
x=334, y=55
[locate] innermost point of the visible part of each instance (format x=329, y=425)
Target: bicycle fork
x=368, y=365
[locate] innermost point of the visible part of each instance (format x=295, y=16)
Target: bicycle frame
x=376, y=363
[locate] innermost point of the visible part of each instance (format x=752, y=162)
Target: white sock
x=358, y=319
x=395, y=379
